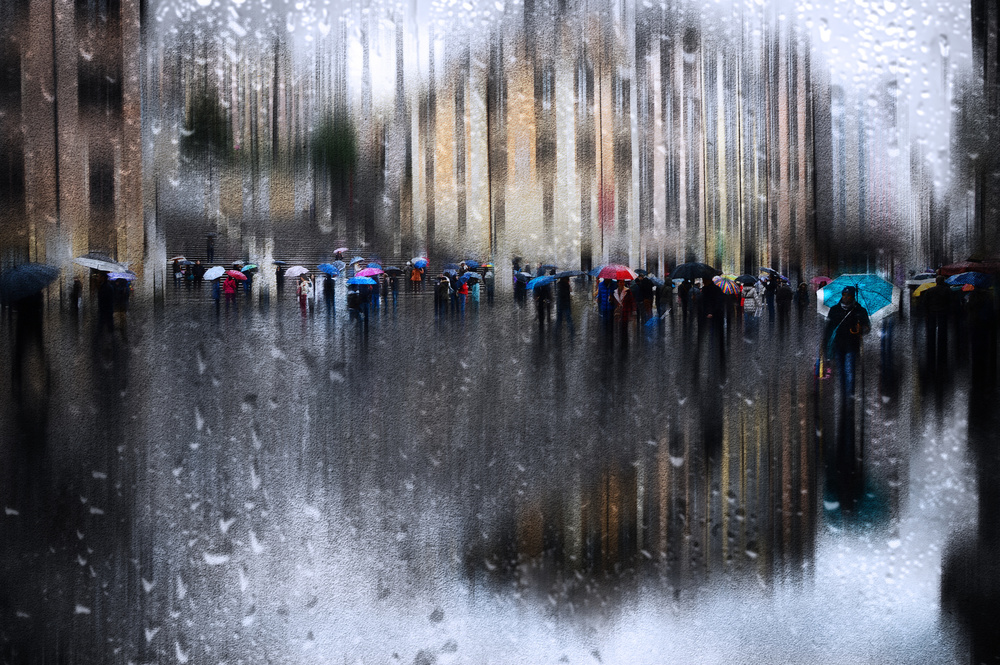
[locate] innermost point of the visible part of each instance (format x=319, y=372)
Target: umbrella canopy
x=26, y=280
x=356, y=259
x=393, y=270
x=728, y=286
x=214, y=273
x=988, y=267
x=615, y=271
x=340, y=249
x=295, y=271
x=640, y=271
x=875, y=294
x=820, y=279
x=748, y=280
x=127, y=276
x=656, y=280
x=369, y=272
x=236, y=274
x=570, y=273
x=375, y=265
x=976, y=279
x=543, y=280
x=419, y=261
x=361, y=280
x=450, y=266
x=547, y=267
x=471, y=277
x=522, y=276
x=471, y=263
x=176, y=258
x=339, y=265
x=99, y=261
x=694, y=271
x=922, y=278
x=771, y=271
x=250, y=267
x=594, y=272
x=923, y=287
x=450, y=271
x=329, y=269
x=280, y=263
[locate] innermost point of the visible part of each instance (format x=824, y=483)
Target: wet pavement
x=251, y=484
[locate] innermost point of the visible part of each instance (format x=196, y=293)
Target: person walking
x=304, y=292
x=330, y=295
x=624, y=303
x=936, y=302
x=770, y=290
x=563, y=305
x=846, y=324
x=394, y=288
x=229, y=290
x=684, y=293
x=490, y=279
x=783, y=298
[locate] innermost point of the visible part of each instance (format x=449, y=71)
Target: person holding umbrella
x=846, y=324
x=624, y=303
x=304, y=292
x=563, y=308
x=229, y=289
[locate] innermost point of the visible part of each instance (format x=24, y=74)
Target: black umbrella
x=280, y=263
x=393, y=270
x=746, y=280
x=694, y=271
x=26, y=280
x=570, y=273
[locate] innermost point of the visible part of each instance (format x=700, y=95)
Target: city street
x=257, y=485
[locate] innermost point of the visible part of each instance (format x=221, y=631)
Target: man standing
x=937, y=303
x=563, y=303
x=846, y=323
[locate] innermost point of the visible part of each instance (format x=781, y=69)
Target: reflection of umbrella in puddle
x=26, y=280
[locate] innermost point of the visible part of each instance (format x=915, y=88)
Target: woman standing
x=304, y=291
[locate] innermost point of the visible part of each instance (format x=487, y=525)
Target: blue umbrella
x=450, y=266
x=543, y=280
x=472, y=264
x=375, y=265
x=329, y=269
x=356, y=259
x=977, y=279
x=127, y=276
x=450, y=271
x=339, y=265
x=879, y=297
x=26, y=280
x=420, y=262
x=655, y=280
x=361, y=280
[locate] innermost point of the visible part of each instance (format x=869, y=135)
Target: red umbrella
x=236, y=274
x=988, y=267
x=820, y=279
x=615, y=271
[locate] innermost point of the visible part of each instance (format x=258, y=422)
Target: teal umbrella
x=879, y=297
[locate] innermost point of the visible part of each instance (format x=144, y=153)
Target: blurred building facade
x=70, y=124
x=568, y=132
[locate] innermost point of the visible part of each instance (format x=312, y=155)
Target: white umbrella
x=100, y=262
x=295, y=271
x=214, y=273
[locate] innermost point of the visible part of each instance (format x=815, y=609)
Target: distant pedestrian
x=394, y=288
x=416, y=279
x=178, y=273
x=474, y=293
x=684, y=293
x=330, y=294
x=564, y=305
x=802, y=299
x=624, y=303
x=936, y=304
x=229, y=290
x=304, y=292
x=770, y=290
x=783, y=300
x=490, y=279
x=210, y=249
x=463, y=294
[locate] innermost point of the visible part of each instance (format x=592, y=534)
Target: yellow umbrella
x=923, y=287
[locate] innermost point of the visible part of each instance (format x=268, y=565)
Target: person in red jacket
x=624, y=308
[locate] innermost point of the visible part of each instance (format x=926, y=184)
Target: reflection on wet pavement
x=252, y=485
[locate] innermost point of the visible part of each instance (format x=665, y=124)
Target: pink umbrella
x=340, y=249
x=369, y=272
